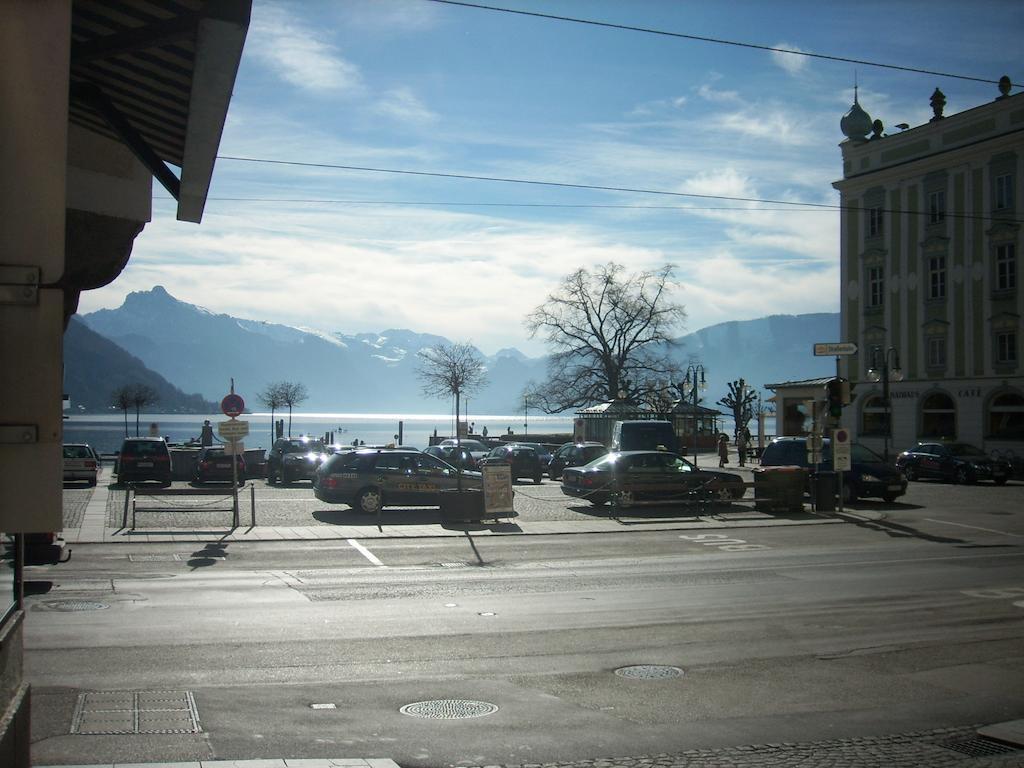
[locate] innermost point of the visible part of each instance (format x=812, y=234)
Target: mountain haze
x=199, y=350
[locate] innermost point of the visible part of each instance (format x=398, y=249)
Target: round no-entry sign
x=232, y=405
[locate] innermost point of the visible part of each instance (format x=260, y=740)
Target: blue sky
x=420, y=86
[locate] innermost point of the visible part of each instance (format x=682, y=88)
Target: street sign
x=233, y=430
x=234, y=449
x=497, y=480
x=841, y=460
x=838, y=348
x=232, y=405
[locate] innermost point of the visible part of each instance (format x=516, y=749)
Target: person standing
x=723, y=450
x=206, y=434
x=741, y=447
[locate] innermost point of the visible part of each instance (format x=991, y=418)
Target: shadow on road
x=898, y=530
x=208, y=555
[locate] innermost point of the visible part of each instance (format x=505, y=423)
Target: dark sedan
x=523, y=460
x=573, y=455
x=457, y=456
x=214, y=465
x=368, y=480
x=294, y=458
x=953, y=462
x=632, y=477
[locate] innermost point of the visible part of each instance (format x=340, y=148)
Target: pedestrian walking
x=741, y=447
x=723, y=450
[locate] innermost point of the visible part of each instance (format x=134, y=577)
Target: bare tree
x=448, y=370
x=740, y=400
x=273, y=397
x=142, y=395
x=122, y=398
x=610, y=334
x=293, y=393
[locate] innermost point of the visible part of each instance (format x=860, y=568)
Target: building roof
x=683, y=408
x=802, y=383
x=616, y=408
x=158, y=76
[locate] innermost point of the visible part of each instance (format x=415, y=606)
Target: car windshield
x=965, y=449
x=304, y=446
x=863, y=454
x=77, y=452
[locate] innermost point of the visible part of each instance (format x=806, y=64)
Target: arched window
x=873, y=418
x=1006, y=416
x=938, y=416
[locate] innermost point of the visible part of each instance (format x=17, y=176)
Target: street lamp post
x=885, y=367
x=693, y=384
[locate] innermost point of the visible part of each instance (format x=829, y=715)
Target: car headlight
x=866, y=478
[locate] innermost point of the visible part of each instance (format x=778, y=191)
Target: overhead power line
x=791, y=205
x=715, y=40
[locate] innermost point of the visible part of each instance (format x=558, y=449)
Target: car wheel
x=910, y=471
x=92, y=482
x=1000, y=481
x=889, y=498
x=538, y=478
x=962, y=476
x=271, y=477
x=369, y=501
x=625, y=499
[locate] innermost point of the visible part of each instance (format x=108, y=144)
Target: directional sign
x=234, y=449
x=233, y=430
x=838, y=349
x=232, y=405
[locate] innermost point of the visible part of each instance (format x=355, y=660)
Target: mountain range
x=201, y=351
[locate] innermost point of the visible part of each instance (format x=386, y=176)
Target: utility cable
x=715, y=40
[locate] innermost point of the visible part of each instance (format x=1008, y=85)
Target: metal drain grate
x=131, y=712
x=449, y=709
x=454, y=565
x=154, y=558
x=979, y=746
x=75, y=605
x=649, y=672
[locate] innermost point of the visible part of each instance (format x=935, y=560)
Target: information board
x=497, y=480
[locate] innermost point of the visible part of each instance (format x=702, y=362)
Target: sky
x=424, y=87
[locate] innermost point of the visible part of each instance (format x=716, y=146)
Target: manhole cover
x=649, y=672
x=75, y=605
x=454, y=565
x=448, y=709
x=135, y=712
x=153, y=558
x=980, y=746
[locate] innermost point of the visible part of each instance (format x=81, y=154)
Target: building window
x=1006, y=348
x=1006, y=267
x=938, y=416
x=874, y=419
x=1004, y=192
x=937, y=277
x=937, y=352
x=875, y=221
x=876, y=286
x=1006, y=416
x=937, y=206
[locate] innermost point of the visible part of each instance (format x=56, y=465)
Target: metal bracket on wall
x=18, y=434
x=19, y=285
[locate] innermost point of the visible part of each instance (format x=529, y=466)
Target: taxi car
x=80, y=463
x=633, y=477
x=294, y=458
x=368, y=480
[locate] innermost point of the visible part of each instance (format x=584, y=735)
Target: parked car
x=542, y=451
x=644, y=435
x=523, y=459
x=638, y=476
x=476, y=447
x=457, y=456
x=869, y=476
x=144, y=458
x=573, y=455
x=368, y=480
x=80, y=463
x=953, y=462
x=214, y=465
x=294, y=458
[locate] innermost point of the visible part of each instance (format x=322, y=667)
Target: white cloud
x=792, y=63
x=297, y=53
x=403, y=105
x=709, y=93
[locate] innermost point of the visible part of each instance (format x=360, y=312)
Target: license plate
x=144, y=464
x=895, y=487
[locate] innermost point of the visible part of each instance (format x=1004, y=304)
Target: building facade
x=930, y=277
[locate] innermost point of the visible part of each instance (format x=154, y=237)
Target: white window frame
x=936, y=351
x=937, y=206
x=1004, y=191
x=1006, y=267
x=876, y=221
x=936, y=277
x=1006, y=347
x=875, y=278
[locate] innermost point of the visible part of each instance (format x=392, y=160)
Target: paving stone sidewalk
x=918, y=749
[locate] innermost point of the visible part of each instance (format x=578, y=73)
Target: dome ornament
x=938, y=102
x=856, y=124
x=1004, y=88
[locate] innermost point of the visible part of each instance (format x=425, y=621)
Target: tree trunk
x=458, y=446
x=273, y=437
x=289, y=421
x=137, y=409
x=126, y=422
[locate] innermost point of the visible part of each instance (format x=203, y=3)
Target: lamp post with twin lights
x=694, y=383
x=885, y=367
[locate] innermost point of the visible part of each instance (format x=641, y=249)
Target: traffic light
x=834, y=396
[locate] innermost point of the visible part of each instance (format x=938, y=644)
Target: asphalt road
x=908, y=616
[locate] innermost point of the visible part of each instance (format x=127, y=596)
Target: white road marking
x=366, y=553
x=976, y=527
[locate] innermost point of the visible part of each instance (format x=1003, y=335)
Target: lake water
x=105, y=432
